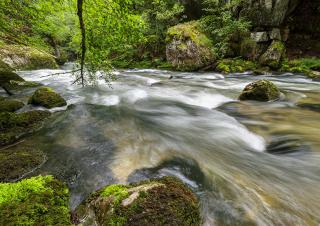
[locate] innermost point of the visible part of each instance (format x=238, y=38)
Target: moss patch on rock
x=274, y=55
x=40, y=200
x=165, y=201
x=19, y=85
x=262, y=90
x=10, y=105
x=47, y=97
x=188, y=48
x=26, y=58
x=6, y=77
x=307, y=66
x=16, y=162
x=235, y=65
x=13, y=126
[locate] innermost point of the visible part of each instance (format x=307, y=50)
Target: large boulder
x=268, y=13
x=26, y=58
x=40, y=200
x=274, y=55
x=261, y=90
x=188, y=48
x=165, y=201
x=13, y=126
x=47, y=97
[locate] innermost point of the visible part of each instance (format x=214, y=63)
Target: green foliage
x=303, y=65
x=35, y=201
x=235, y=65
x=119, y=193
x=221, y=24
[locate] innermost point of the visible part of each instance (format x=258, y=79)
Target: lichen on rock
x=47, y=97
x=40, y=200
x=13, y=126
x=165, y=201
x=261, y=90
x=188, y=48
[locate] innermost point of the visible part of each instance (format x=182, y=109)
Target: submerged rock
x=262, y=90
x=164, y=201
x=48, y=98
x=10, y=105
x=16, y=162
x=188, y=48
x=13, y=126
x=40, y=200
x=274, y=55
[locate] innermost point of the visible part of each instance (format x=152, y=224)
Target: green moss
x=190, y=30
x=6, y=77
x=47, y=98
x=235, y=65
x=10, y=105
x=15, y=162
x=18, y=85
x=28, y=58
x=13, y=126
x=262, y=90
x=274, y=55
x=249, y=49
x=119, y=192
x=35, y=201
x=5, y=67
x=308, y=66
x=165, y=201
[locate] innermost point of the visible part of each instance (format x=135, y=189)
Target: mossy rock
x=188, y=48
x=20, y=85
x=26, y=57
x=262, y=90
x=165, y=201
x=274, y=55
x=308, y=66
x=6, y=77
x=16, y=162
x=48, y=98
x=4, y=67
x=10, y=105
x=40, y=200
x=235, y=65
x=13, y=126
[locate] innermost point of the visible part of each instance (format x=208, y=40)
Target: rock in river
x=48, y=98
x=261, y=90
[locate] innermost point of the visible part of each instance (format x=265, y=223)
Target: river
x=249, y=163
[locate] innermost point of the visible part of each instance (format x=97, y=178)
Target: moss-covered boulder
x=16, y=162
x=4, y=67
x=10, y=105
x=164, y=201
x=13, y=126
x=274, y=55
x=262, y=90
x=26, y=58
x=188, y=48
x=7, y=76
x=48, y=98
x=235, y=65
x=40, y=200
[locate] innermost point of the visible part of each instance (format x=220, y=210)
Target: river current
x=249, y=163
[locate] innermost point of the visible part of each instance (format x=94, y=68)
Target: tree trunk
x=83, y=39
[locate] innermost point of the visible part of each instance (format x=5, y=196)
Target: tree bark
x=83, y=39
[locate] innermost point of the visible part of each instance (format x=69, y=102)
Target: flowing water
x=249, y=163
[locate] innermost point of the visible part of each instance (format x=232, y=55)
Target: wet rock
x=13, y=126
x=7, y=76
x=48, y=98
x=275, y=34
x=19, y=85
x=10, y=105
x=274, y=55
x=188, y=48
x=165, y=201
x=40, y=200
x=262, y=90
x=16, y=162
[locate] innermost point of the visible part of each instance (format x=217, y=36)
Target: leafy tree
x=221, y=23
